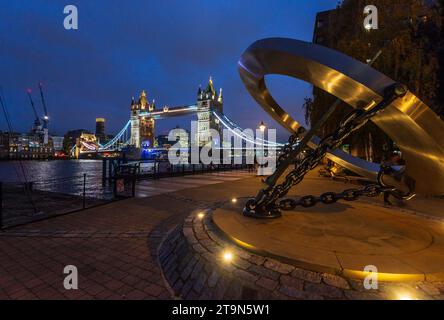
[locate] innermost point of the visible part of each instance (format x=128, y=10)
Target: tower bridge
x=139, y=131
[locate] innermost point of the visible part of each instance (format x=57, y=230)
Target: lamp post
x=262, y=126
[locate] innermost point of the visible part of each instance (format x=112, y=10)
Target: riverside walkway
x=115, y=246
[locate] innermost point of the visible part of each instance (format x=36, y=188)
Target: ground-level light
x=227, y=256
x=201, y=215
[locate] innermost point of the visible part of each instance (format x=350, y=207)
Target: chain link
x=372, y=190
x=268, y=198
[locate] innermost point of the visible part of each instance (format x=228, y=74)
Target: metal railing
x=157, y=169
x=21, y=203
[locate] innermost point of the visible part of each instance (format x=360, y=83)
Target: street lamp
x=262, y=126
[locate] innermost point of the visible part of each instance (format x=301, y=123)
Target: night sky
x=166, y=47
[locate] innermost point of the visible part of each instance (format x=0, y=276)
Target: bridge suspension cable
x=238, y=131
x=122, y=139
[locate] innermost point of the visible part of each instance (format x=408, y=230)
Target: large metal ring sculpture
x=415, y=128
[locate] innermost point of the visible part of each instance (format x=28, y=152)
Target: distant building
x=86, y=142
x=373, y=145
x=322, y=29
x=325, y=19
x=57, y=143
x=100, y=129
x=70, y=139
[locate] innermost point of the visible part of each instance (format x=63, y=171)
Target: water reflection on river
x=12, y=171
x=57, y=175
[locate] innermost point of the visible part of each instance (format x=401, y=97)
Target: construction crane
x=45, y=116
x=37, y=124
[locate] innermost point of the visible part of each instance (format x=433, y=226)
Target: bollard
x=1, y=205
x=104, y=171
x=84, y=191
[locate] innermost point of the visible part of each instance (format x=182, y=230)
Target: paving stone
x=335, y=281
x=188, y=269
x=439, y=285
x=216, y=238
x=278, y=266
x=241, y=253
x=191, y=238
x=221, y=288
x=429, y=289
x=197, y=269
x=188, y=285
x=227, y=267
x=276, y=295
x=307, y=275
x=241, y=263
x=263, y=294
x=292, y=292
x=245, y=275
x=214, y=248
x=357, y=285
x=292, y=282
x=192, y=295
x=357, y=295
x=200, y=282
x=324, y=290
x=209, y=257
x=178, y=285
x=185, y=260
x=256, y=259
x=262, y=271
x=212, y=280
x=206, y=295
x=199, y=248
x=234, y=291
x=202, y=236
x=313, y=296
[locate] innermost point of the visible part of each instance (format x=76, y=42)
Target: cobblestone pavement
x=114, y=246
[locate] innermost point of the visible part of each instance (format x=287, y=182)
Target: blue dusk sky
x=166, y=47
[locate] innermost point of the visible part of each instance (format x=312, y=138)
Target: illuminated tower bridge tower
x=208, y=100
x=144, y=113
x=142, y=128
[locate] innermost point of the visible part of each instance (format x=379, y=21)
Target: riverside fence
x=25, y=202
x=22, y=203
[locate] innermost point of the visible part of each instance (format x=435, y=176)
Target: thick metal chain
x=267, y=199
x=371, y=191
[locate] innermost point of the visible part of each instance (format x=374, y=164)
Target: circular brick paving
x=193, y=264
x=344, y=238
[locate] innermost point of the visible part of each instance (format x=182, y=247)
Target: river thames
x=66, y=176
x=37, y=171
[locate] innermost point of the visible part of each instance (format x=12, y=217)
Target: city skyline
x=167, y=49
